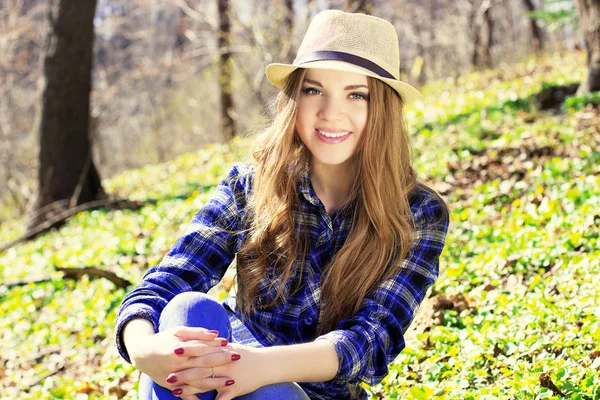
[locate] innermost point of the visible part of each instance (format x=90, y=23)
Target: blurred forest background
x=170, y=76
x=508, y=132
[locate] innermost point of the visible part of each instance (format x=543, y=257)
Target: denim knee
x=148, y=390
x=277, y=391
x=195, y=309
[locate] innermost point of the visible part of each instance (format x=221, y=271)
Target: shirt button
x=308, y=320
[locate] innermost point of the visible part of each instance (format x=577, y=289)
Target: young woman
x=336, y=241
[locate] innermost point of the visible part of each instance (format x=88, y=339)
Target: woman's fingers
x=190, y=333
x=212, y=359
x=198, y=337
x=198, y=348
x=202, y=386
x=216, y=342
x=201, y=349
x=200, y=370
x=188, y=375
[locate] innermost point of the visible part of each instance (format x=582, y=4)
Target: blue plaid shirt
x=365, y=342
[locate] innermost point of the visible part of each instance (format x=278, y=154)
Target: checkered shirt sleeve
x=372, y=338
x=196, y=262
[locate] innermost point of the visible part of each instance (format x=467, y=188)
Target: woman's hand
x=241, y=377
x=183, y=349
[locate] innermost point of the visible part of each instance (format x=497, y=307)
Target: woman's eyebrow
x=349, y=87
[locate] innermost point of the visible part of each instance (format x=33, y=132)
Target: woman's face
x=332, y=110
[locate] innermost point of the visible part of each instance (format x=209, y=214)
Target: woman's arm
x=315, y=361
x=369, y=340
x=364, y=344
x=134, y=331
x=196, y=262
x=307, y=362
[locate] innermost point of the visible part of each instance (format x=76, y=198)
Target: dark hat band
x=346, y=57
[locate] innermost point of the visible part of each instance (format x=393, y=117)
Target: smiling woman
x=336, y=240
x=331, y=112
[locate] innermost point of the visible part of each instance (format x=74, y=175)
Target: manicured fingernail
x=177, y=392
x=230, y=382
x=235, y=357
x=213, y=331
x=172, y=379
x=178, y=350
x=224, y=342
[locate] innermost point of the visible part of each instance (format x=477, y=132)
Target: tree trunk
x=432, y=48
x=588, y=13
x=286, y=40
x=225, y=71
x=475, y=28
x=180, y=30
x=482, y=42
x=488, y=41
x=67, y=175
x=421, y=54
x=311, y=8
x=536, y=33
x=360, y=6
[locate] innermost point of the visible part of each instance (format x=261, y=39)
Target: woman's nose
x=331, y=110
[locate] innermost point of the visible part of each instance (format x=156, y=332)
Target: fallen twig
x=76, y=273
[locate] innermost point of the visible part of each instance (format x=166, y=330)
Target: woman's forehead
x=324, y=76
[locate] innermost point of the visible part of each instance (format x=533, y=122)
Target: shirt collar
x=306, y=188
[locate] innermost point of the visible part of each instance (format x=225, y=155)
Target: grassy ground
x=514, y=315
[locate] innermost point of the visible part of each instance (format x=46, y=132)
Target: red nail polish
x=178, y=350
x=172, y=379
x=224, y=342
x=213, y=331
x=177, y=391
x=235, y=357
x=230, y=382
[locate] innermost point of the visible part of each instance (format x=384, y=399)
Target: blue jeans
x=195, y=309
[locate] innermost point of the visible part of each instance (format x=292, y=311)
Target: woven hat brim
x=278, y=73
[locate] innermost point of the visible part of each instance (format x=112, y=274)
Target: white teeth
x=333, y=135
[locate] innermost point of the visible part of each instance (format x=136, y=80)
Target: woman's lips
x=331, y=140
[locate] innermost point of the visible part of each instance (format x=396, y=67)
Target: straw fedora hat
x=340, y=41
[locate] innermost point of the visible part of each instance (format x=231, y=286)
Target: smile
x=333, y=135
x=332, y=138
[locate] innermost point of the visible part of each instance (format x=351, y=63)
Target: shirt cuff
x=132, y=312
x=348, y=356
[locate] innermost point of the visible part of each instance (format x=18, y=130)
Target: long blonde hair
x=382, y=223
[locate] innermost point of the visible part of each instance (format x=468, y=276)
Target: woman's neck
x=332, y=184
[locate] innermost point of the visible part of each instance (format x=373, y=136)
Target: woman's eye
x=354, y=96
x=310, y=90
x=360, y=96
